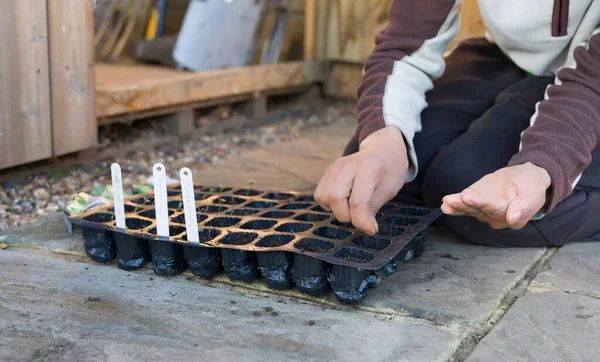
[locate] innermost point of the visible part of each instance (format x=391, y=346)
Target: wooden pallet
x=129, y=92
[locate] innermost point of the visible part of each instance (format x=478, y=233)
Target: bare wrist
x=541, y=174
x=384, y=135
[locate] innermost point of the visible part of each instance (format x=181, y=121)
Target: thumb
x=519, y=212
x=364, y=215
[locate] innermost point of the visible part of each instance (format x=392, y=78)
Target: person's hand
x=355, y=187
x=509, y=197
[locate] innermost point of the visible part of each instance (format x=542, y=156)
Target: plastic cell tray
x=283, y=237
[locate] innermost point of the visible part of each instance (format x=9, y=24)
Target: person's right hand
x=355, y=187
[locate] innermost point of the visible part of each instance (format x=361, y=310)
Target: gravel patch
x=24, y=200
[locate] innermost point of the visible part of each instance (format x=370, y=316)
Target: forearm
x=566, y=127
x=408, y=56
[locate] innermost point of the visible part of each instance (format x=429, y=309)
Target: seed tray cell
x=230, y=216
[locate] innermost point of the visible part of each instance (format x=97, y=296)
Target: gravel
x=43, y=192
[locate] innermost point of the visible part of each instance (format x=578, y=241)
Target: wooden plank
x=310, y=23
x=25, y=133
x=345, y=71
x=351, y=26
x=256, y=108
x=347, y=27
x=471, y=23
x=72, y=82
x=343, y=80
x=321, y=31
x=122, y=89
x=181, y=123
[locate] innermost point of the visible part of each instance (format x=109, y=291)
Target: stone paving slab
x=48, y=232
x=59, y=308
x=295, y=165
x=454, y=281
x=575, y=268
x=552, y=326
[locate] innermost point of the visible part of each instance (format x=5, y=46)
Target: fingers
x=334, y=189
x=494, y=207
x=369, y=194
x=362, y=211
x=519, y=213
x=353, y=189
x=454, y=205
x=320, y=194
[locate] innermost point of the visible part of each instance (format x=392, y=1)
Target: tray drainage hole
x=305, y=198
x=136, y=224
x=278, y=196
x=314, y=245
x=277, y=214
x=239, y=238
x=414, y=211
x=214, y=189
x=388, y=206
x=128, y=208
x=390, y=230
x=352, y=254
x=372, y=242
x=148, y=200
x=223, y=222
x=261, y=204
x=293, y=227
x=401, y=220
x=273, y=241
x=295, y=206
x=209, y=209
x=229, y=200
x=151, y=214
x=100, y=218
x=174, y=230
x=332, y=233
x=318, y=209
x=247, y=192
x=242, y=212
x=259, y=224
x=312, y=217
x=339, y=223
x=175, y=204
x=180, y=219
x=205, y=235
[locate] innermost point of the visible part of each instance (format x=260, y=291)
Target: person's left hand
x=509, y=197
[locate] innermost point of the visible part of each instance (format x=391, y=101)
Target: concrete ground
x=457, y=302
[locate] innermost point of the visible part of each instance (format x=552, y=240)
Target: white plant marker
x=189, y=205
x=160, y=200
x=117, y=189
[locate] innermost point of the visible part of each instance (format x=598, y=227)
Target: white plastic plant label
x=160, y=200
x=117, y=190
x=189, y=205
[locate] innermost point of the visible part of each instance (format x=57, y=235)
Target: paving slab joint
x=582, y=293
x=472, y=338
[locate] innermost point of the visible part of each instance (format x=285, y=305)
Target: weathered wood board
x=25, y=129
x=122, y=89
x=74, y=124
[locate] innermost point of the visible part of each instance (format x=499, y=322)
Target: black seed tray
x=252, y=220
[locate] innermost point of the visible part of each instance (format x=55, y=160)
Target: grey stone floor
x=457, y=302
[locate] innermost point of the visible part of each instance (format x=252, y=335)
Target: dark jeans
x=472, y=127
